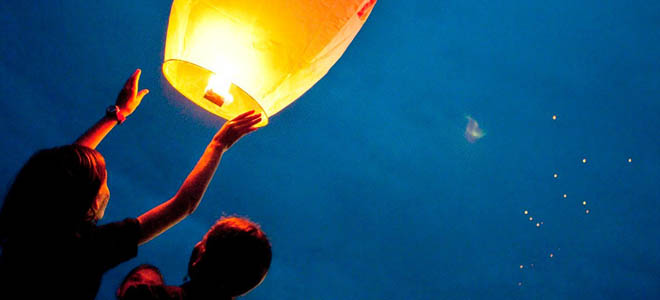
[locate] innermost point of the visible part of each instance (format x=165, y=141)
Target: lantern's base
x=192, y=80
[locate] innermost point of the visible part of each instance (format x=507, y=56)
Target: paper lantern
x=231, y=56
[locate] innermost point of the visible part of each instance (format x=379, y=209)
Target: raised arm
x=127, y=101
x=162, y=217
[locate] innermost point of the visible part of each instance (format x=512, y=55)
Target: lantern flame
x=217, y=90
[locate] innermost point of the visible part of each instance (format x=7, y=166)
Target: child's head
x=141, y=283
x=58, y=188
x=232, y=258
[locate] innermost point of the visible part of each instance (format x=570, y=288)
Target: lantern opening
x=212, y=91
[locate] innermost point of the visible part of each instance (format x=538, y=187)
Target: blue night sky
x=366, y=185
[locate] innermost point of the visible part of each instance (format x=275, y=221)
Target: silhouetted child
x=48, y=233
x=231, y=260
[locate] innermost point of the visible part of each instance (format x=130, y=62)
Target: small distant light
x=538, y=224
x=526, y=212
x=532, y=265
x=551, y=255
x=584, y=160
x=584, y=202
x=521, y=266
x=565, y=195
x=519, y=283
x=541, y=222
x=555, y=175
x=530, y=218
x=554, y=117
x=629, y=160
x=586, y=211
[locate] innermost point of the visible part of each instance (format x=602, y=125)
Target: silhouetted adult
x=48, y=234
x=231, y=260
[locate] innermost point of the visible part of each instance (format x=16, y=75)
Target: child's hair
x=140, y=284
x=53, y=192
x=232, y=258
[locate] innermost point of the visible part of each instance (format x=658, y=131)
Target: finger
x=141, y=94
x=246, y=119
x=251, y=129
x=131, y=80
x=242, y=123
x=243, y=115
x=245, y=131
x=136, y=79
x=247, y=125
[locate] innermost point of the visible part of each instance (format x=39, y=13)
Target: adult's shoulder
x=112, y=243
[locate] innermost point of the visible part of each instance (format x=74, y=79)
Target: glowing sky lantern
x=230, y=56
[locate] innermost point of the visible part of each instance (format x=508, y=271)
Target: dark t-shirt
x=66, y=267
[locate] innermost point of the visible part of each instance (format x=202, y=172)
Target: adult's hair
x=232, y=258
x=53, y=193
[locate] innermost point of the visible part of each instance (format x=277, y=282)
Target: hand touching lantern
x=236, y=128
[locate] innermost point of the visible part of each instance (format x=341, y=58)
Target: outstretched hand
x=129, y=98
x=236, y=128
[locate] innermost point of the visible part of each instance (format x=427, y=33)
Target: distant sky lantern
x=472, y=130
x=231, y=56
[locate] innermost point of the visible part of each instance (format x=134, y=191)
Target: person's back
x=40, y=268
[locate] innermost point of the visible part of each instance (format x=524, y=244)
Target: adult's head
x=58, y=189
x=232, y=258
